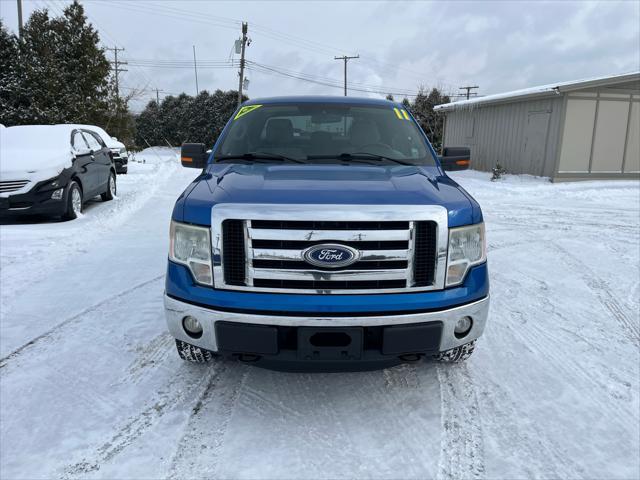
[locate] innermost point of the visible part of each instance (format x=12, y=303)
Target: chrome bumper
x=176, y=310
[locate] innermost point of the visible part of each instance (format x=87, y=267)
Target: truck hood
x=324, y=184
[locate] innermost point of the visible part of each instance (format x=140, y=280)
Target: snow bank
x=155, y=155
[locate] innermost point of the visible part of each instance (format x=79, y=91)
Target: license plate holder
x=330, y=343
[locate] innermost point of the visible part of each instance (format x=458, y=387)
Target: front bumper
x=32, y=203
x=443, y=323
x=121, y=164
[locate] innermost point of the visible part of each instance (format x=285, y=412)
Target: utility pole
x=195, y=69
x=245, y=27
x=158, y=95
x=116, y=68
x=345, y=59
x=468, y=89
x=19, y=19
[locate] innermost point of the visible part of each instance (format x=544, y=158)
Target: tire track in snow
x=205, y=430
x=171, y=396
x=149, y=355
x=602, y=292
x=462, y=444
x=402, y=376
x=18, y=351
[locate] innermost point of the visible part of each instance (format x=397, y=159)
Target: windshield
x=317, y=133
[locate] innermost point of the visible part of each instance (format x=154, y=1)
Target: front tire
x=74, y=201
x=193, y=354
x=110, y=194
x=458, y=354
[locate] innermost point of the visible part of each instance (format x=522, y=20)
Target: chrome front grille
x=260, y=247
x=7, y=186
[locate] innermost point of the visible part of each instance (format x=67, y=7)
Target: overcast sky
x=499, y=46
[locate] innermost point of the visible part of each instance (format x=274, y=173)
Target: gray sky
x=499, y=46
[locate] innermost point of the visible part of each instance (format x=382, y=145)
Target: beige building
x=584, y=129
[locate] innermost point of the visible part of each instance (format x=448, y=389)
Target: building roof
x=542, y=90
x=319, y=99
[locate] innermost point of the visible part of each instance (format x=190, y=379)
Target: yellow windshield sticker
x=397, y=113
x=244, y=110
x=405, y=115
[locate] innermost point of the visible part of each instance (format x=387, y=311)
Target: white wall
x=600, y=134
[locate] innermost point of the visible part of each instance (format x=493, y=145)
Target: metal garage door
x=535, y=142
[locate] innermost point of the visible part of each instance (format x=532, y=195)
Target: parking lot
x=92, y=386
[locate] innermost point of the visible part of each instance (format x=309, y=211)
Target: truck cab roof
x=297, y=99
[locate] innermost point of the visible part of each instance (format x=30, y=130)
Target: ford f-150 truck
x=323, y=233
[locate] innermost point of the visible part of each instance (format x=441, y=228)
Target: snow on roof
x=108, y=139
x=37, y=137
x=34, y=152
x=552, y=88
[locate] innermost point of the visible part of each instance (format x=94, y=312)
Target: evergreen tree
x=57, y=71
x=184, y=118
x=10, y=80
x=431, y=122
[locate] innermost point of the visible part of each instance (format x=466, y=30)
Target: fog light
x=57, y=194
x=463, y=327
x=192, y=326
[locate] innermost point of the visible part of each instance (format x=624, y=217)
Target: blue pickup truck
x=323, y=233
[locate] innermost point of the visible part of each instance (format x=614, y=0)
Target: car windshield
x=318, y=133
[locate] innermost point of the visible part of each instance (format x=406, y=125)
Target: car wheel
x=193, y=354
x=458, y=354
x=74, y=201
x=111, y=188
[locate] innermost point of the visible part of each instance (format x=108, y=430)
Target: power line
x=138, y=72
x=329, y=83
x=274, y=34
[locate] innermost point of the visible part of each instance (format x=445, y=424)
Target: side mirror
x=455, y=158
x=193, y=155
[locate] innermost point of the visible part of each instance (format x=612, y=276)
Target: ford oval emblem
x=331, y=255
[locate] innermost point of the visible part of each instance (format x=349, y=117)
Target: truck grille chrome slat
x=294, y=244
x=319, y=275
x=294, y=255
x=261, y=248
x=330, y=235
x=357, y=286
x=330, y=225
x=360, y=265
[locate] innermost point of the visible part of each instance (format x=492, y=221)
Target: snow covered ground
x=91, y=386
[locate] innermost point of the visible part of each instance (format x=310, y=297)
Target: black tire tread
x=69, y=214
x=193, y=354
x=457, y=354
x=106, y=196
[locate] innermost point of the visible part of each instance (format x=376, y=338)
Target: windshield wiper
x=258, y=156
x=358, y=156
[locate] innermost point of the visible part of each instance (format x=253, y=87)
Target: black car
x=53, y=170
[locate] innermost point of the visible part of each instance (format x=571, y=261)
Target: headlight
x=466, y=249
x=191, y=246
x=123, y=151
